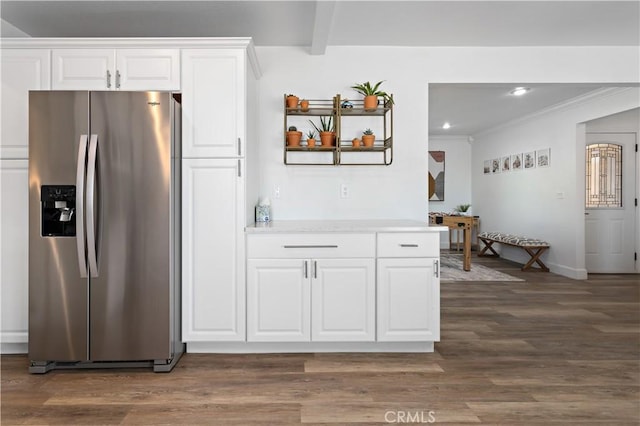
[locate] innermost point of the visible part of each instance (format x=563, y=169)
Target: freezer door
x=130, y=290
x=57, y=292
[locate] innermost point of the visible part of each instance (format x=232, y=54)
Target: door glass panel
x=604, y=175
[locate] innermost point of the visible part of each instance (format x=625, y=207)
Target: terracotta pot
x=370, y=102
x=327, y=138
x=292, y=102
x=355, y=142
x=304, y=105
x=311, y=143
x=367, y=140
x=293, y=138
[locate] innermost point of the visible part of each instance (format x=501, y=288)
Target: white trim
x=128, y=42
x=14, y=348
x=578, y=100
x=307, y=347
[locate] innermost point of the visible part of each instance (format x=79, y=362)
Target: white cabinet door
x=22, y=70
x=343, y=300
x=213, y=268
x=14, y=255
x=147, y=69
x=408, y=300
x=278, y=300
x=213, y=102
x=111, y=69
x=83, y=69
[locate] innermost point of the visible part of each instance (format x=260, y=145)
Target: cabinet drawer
x=409, y=244
x=310, y=246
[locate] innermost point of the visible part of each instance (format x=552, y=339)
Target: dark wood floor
x=548, y=351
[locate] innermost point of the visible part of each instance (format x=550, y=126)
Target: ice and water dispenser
x=58, y=204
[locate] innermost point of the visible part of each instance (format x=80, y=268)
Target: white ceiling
x=319, y=25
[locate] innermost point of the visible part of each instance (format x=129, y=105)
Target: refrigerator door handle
x=91, y=217
x=80, y=181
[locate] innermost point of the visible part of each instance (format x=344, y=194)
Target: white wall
x=627, y=121
x=546, y=203
x=399, y=190
x=9, y=30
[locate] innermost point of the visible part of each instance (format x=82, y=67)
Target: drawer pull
x=408, y=245
x=305, y=246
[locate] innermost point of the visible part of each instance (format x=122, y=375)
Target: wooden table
x=464, y=223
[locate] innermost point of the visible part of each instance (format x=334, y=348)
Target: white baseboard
x=565, y=271
x=14, y=348
x=276, y=347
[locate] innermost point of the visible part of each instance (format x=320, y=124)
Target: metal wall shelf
x=380, y=154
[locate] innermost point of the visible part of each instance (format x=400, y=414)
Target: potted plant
x=368, y=138
x=304, y=105
x=311, y=138
x=463, y=209
x=292, y=101
x=355, y=143
x=325, y=131
x=293, y=136
x=371, y=94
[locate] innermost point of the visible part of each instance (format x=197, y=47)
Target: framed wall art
x=436, y=176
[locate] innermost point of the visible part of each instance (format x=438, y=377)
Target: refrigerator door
x=57, y=292
x=130, y=290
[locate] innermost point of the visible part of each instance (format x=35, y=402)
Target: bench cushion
x=513, y=239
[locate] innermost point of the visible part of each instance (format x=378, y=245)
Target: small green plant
x=290, y=95
x=367, y=132
x=325, y=124
x=311, y=134
x=293, y=128
x=366, y=89
x=463, y=208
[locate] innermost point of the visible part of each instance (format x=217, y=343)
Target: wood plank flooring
x=549, y=350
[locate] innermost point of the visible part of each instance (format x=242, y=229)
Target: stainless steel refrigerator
x=104, y=230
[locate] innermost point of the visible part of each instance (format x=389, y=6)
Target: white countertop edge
x=345, y=226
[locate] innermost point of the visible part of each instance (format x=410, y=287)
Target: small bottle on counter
x=263, y=210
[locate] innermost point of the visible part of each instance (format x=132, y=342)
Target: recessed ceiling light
x=446, y=125
x=519, y=91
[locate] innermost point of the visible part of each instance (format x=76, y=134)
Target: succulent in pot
x=292, y=101
x=368, y=138
x=293, y=136
x=311, y=138
x=326, y=130
x=371, y=94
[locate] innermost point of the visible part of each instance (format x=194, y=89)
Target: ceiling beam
x=322, y=26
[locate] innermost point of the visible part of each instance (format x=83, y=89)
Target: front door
x=610, y=211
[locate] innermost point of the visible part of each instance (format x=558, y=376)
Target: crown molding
x=571, y=103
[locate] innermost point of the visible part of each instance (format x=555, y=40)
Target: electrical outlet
x=344, y=191
x=276, y=192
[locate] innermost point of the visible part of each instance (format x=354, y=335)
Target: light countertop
x=352, y=226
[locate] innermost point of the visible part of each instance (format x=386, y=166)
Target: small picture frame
x=487, y=167
x=543, y=157
x=506, y=164
x=516, y=162
x=495, y=165
x=529, y=159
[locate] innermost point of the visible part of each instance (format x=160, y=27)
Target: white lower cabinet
x=278, y=300
x=316, y=287
x=343, y=299
x=213, y=268
x=14, y=254
x=302, y=300
x=408, y=300
x=408, y=285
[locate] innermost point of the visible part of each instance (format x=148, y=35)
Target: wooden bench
x=532, y=246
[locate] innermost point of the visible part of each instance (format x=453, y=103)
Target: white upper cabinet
x=116, y=69
x=213, y=96
x=22, y=70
